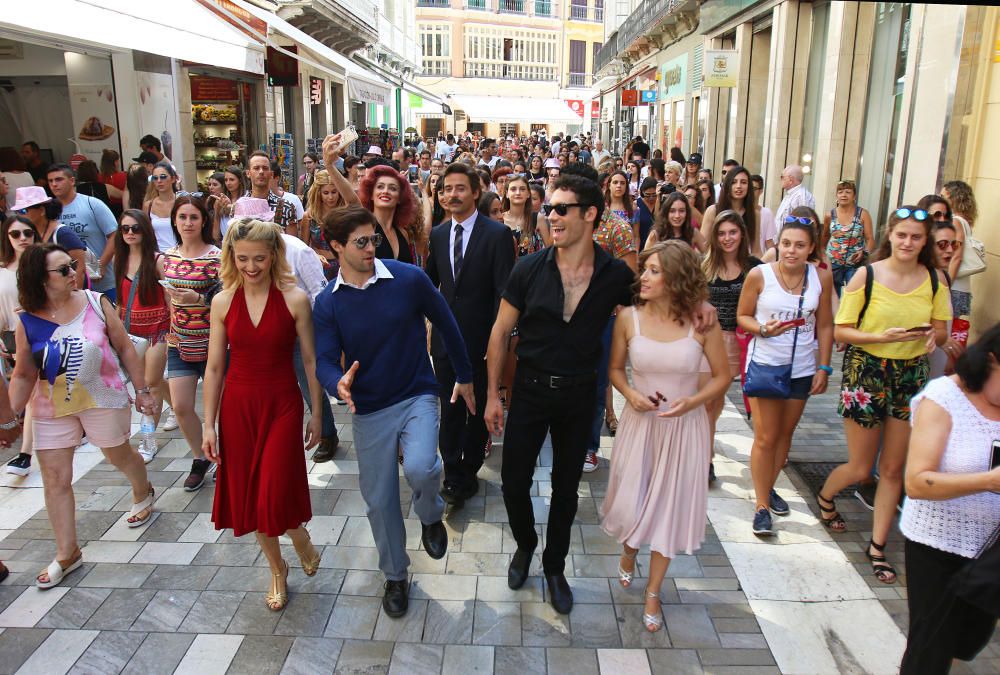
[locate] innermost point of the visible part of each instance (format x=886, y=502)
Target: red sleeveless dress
x=261, y=484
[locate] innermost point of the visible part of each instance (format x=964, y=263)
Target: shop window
x=814, y=88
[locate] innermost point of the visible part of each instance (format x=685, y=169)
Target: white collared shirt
x=797, y=196
x=381, y=272
x=305, y=264
x=466, y=234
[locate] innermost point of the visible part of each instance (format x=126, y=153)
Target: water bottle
x=147, y=427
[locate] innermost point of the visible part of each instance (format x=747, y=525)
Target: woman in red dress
x=261, y=483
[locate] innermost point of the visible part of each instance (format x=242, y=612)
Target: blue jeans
x=412, y=424
x=602, y=388
x=329, y=428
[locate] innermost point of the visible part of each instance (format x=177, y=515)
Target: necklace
x=785, y=283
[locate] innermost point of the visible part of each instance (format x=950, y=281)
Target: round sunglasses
x=17, y=234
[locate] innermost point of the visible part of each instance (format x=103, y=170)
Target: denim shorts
x=178, y=367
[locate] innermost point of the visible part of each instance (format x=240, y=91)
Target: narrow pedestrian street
x=179, y=596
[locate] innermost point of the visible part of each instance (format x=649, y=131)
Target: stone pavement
x=179, y=596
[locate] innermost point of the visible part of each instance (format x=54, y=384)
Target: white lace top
x=962, y=525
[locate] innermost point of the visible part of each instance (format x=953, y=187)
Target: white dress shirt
x=305, y=264
x=797, y=196
x=466, y=234
x=381, y=272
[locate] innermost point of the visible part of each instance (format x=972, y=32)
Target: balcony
x=581, y=12
x=544, y=8
x=578, y=12
x=511, y=7
x=577, y=80
x=345, y=26
x=653, y=25
x=435, y=3
x=480, y=5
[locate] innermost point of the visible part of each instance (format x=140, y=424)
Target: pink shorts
x=104, y=427
x=732, y=351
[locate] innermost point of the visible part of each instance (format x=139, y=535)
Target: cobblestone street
x=179, y=596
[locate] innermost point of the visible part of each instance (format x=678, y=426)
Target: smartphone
x=348, y=136
x=414, y=173
x=995, y=459
x=794, y=322
x=166, y=284
x=922, y=328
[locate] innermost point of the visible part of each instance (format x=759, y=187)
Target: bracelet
x=7, y=426
x=826, y=369
x=144, y=390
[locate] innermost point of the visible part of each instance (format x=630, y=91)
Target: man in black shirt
x=559, y=298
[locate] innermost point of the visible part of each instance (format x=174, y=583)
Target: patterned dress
x=189, y=324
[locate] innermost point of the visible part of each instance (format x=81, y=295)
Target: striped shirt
x=189, y=324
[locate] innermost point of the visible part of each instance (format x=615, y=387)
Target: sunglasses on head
x=130, y=229
x=362, y=242
x=945, y=244
x=17, y=234
x=561, y=209
x=846, y=184
x=918, y=215
x=67, y=269
x=798, y=219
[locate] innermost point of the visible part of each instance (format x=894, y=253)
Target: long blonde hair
x=251, y=229
x=321, y=178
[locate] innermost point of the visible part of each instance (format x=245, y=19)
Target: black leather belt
x=528, y=375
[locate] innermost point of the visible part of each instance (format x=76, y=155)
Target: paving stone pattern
x=179, y=596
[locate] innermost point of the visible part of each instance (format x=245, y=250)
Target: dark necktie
x=457, y=252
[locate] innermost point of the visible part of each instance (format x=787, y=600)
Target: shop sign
x=721, y=67
x=246, y=22
x=630, y=97
x=595, y=110
x=576, y=105
x=648, y=96
x=315, y=91
x=606, y=114
x=282, y=70
x=205, y=88
x=368, y=92
x=673, y=78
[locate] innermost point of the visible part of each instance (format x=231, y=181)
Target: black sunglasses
x=16, y=234
x=66, y=269
x=940, y=216
x=561, y=209
x=918, y=215
x=362, y=242
x=130, y=229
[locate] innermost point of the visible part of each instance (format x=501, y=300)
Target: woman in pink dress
x=658, y=487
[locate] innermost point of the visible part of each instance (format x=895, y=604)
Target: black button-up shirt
x=546, y=342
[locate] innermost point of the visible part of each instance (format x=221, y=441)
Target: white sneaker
x=171, y=422
x=149, y=451
x=591, y=463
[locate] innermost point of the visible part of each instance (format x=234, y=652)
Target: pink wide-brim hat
x=374, y=150
x=253, y=207
x=29, y=196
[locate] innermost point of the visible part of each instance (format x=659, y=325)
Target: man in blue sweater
x=374, y=314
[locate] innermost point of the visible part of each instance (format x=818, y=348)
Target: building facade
x=891, y=95
x=508, y=66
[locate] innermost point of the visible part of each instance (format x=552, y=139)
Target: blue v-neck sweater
x=382, y=328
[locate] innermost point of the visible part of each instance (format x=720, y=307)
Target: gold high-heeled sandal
x=310, y=560
x=277, y=599
x=625, y=578
x=653, y=622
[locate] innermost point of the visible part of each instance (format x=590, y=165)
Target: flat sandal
x=834, y=523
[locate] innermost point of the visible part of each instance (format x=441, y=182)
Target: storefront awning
x=363, y=85
x=428, y=97
x=514, y=109
x=183, y=30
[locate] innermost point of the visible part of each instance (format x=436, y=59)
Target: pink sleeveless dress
x=658, y=488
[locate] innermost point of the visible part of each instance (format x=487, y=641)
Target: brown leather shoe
x=327, y=448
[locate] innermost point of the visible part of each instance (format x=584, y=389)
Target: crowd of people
x=550, y=271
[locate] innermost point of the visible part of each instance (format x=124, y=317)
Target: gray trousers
x=412, y=424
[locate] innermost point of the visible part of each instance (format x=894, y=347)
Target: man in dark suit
x=470, y=258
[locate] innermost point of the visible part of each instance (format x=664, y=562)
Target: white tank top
x=962, y=525
x=774, y=302
x=165, y=239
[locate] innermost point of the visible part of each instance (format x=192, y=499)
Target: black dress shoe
x=560, y=594
x=327, y=448
x=396, y=600
x=452, y=496
x=435, y=539
x=517, y=573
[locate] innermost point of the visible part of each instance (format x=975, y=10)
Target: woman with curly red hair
x=386, y=194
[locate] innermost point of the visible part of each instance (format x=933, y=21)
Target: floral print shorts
x=874, y=388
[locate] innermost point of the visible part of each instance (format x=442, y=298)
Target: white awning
x=182, y=30
x=514, y=109
x=363, y=85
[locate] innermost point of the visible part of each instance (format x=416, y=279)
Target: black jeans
x=566, y=413
x=942, y=626
x=462, y=437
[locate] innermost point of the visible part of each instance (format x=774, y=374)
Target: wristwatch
x=7, y=426
x=144, y=390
